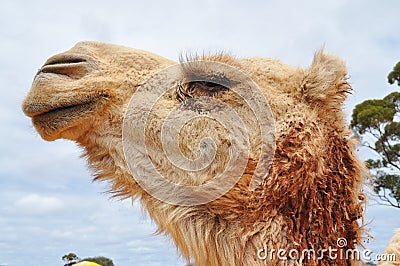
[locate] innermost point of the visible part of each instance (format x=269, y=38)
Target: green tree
x=377, y=124
x=395, y=74
x=103, y=261
x=70, y=259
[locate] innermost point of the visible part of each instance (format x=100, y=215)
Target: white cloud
x=37, y=204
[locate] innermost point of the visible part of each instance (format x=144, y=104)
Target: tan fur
x=311, y=197
x=393, y=247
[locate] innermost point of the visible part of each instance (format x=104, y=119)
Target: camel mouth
x=63, y=111
x=52, y=120
x=46, y=112
x=35, y=109
x=70, y=65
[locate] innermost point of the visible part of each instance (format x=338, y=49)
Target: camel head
x=74, y=91
x=159, y=131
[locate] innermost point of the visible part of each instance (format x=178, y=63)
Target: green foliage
x=70, y=259
x=388, y=181
x=371, y=114
x=103, y=261
x=395, y=75
x=380, y=120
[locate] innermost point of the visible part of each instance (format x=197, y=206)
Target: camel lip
x=52, y=123
x=36, y=109
x=62, y=110
x=60, y=118
x=71, y=65
x=51, y=120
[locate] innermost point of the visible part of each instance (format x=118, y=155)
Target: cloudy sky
x=48, y=204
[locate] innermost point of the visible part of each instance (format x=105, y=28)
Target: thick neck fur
x=307, y=202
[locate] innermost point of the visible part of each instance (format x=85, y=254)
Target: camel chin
x=65, y=122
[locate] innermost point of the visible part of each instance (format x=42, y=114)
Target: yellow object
x=86, y=263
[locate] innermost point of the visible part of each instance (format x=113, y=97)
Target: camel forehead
x=98, y=47
x=110, y=52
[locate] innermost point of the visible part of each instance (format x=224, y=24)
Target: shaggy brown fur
x=311, y=197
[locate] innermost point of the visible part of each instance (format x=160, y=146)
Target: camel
x=311, y=197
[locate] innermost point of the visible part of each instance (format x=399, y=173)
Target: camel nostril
x=65, y=59
x=71, y=65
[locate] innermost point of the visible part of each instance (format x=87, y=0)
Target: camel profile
x=311, y=198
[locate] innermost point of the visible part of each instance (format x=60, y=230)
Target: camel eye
x=199, y=88
x=203, y=84
x=205, y=78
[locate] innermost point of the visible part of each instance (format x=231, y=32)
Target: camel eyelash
x=212, y=80
x=198, y=80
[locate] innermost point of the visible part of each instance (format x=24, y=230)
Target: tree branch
x=385, y=198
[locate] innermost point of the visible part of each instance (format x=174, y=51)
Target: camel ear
x=325, y=82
